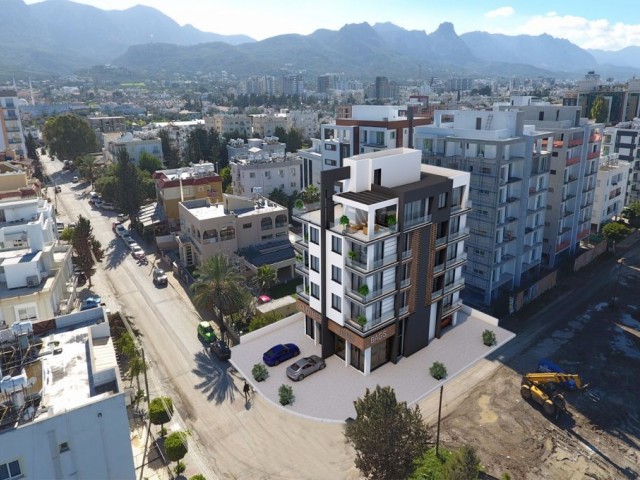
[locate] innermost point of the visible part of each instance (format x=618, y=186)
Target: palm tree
x=218, y=285
x=266, y=277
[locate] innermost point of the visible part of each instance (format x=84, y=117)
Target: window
x=281, y=173
x=227, y=233
x=293, y=184
x=329, y=146
x=336, y=274
x=328, y=161
x=266, y=223
x=336, y=302
x=26, y=313
x=10, y=470
x=315, y=263
x=252, y=174
x=293, y=171
x=336, y=245
x=552, y=172
x=267, y=237
x=64, y=447
x=246, y=225
x=314, y=235
x=442, y=200
x=267, y=174
x=315, y=290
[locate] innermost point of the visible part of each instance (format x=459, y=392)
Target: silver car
x=305, y=367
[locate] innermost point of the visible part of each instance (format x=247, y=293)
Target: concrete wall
x=587, y=257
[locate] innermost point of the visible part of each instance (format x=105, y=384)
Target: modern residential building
x=265, y=124
x=260, y=167
x=11, y=132
x=572, y=180
x=509, y=179
x=371, y=128
x=382, y=260
x=35, y=271
x=260, y=85
x=622, y=101
x=305, y=121
x=188, y=183
x=235, y=124
x=609, y=194
x=62, y=402
x=134, y=146
x=254, y=228
x=293, y=84
x=624, y=140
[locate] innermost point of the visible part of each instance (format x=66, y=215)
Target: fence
x=529, y=294
x=589, y=255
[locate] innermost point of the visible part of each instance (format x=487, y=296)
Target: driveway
x=328, y=395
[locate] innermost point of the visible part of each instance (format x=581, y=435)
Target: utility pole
x=439, y=416
x=146, y=387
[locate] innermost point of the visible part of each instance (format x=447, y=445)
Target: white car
x=137, y=252
x=97, y=203
x=120, y=230
x=130, y=242
x=108, y=206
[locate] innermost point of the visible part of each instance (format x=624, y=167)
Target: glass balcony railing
x=367, y=265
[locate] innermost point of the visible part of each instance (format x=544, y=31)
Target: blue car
x=547, y=366
x=93, y=301
x=279, y=353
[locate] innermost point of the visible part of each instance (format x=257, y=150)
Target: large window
x=26, y=313
x=227, y=233
x=336, y=274
x=336, y=244
x=336, y=302
x=266, y=223
x=315, y=263
x=314, y=235
x=315, y=290
x=10, y=470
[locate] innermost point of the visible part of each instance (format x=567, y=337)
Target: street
x=229, y=439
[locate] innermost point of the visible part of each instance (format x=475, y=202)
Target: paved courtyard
x=328, y=395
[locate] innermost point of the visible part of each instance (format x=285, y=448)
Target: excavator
x=539, y=387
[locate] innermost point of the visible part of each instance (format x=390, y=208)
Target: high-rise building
x=382, y=88
x=382, y=260
x=509, y=179
x=622, y=101
x=293, y=84
x=11, y=132
x=624, y=140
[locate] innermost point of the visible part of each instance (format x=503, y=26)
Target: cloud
x=586, y=33
x=500, y=12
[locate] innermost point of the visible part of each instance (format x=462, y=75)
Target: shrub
x=197, y=476
x=363, y=290
x=488, y=338
x=264, y=319
x=299, y=204
x=260, y=372
x=175, y=446
x=391, y=220
x=180, y=468
x=285, y=392
x=463, y=464
x=438, y=371
x=362, y=320
x=352, y=254
x=160, y=412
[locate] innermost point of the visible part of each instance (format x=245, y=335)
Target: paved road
x=230, y=439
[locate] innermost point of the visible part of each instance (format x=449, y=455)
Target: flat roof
x=366, y=197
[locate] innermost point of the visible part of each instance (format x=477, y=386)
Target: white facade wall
x=96, y=437
x=11, y=130
x=609, y=195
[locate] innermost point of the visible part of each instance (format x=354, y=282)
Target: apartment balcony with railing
x=447, y=289
x=366, y=263
x=303, y=292
x=365, y=225
x=573, y=160
x=593, y=155
x=363, y=295
x=363, y=323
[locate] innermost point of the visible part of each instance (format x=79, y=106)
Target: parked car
x=159, y=277
x=129, y=242
x=221, y=350
x=262, y=299
x=137, y=252
x=108, y=206
x=57, y=189
x=93, y=196
x=97, y=203
x=122, y=217
x=279, y=353
x=119, y=229
x=547, y=366
x=93, y=301
x=75, y=179
x=305, y=367
x=206, y=332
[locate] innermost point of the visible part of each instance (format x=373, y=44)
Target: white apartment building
x=572, y=181
x=509, y=167
x=382, y=260
x=624, y=140
x=235, y=124
x=233, y=226
x=11, y=132
x=611, y=186
x=134, y=146
x=265, y=124
x=269, y=145
x=63, y=409
x=370, y=128
x=35, y=271
x=304, y=120
x=255, y=170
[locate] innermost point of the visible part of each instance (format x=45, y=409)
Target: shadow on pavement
x=217, y=378
x=115, y=253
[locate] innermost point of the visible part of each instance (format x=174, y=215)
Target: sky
x=609, y=25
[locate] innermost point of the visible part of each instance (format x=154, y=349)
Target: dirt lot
x=599, y=438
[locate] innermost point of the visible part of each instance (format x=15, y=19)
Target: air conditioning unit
x=33, y=281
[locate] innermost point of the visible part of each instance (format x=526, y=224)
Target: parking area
x=328, y=395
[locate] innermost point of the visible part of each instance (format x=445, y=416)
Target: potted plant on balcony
x=392, y=221
x=352, y=254
x=363, y=290
x=438, y=370
x=488, y=338
x=298, y=204
x=344, y=221
x=362, y=320
x=298, y=257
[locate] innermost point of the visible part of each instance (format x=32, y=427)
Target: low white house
x=610, y=192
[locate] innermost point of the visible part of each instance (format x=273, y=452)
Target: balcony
x=575, y=143
x=459, y=235
x=415, y=221
x=357, y=294
x=403, y=311
x=407, y=254
x=452, y=287
x=595, y=138
x=459, y=209
x=563, y=245
x=452, y=307
x=582, y=234
x=364, y=265
x=572, y=161
x=405, y=283
x=570, y=179
x=302, y=267
x=371, y=323
x=593, y=155
x=456, y=261
x=302, y=293
x=362, y=233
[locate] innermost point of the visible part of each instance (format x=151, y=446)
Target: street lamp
x=615, y=286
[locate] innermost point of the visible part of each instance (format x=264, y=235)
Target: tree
x=311, y=194
x=598, y=110
x=266, y=277
x=218, y=285
x=32, y=148
x=170, y=152
x=87, y=249
x=69, y=136
x=149, y=162
x=87, y=167
x=160, y=411
x=463, y=465
x=128, y=195
x=107, y=186
x=294, y=140
x=277, y=195
x=225, y=174
x=386, y=435
x=175, y=446
x=615, y=231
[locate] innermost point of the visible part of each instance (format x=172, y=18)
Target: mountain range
x=62, y=37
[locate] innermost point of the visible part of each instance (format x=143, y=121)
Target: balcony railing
x=458, y=284
x=371, y=323
x=575, y=143
x=405, y=283
x=412, y=222
x=407, y=254
x=452, y=307
x=562, y=246
x=593, y=155
x=300, y=291
x=302, y=267
x=372, y=295
x=364, y=265
x=403, y=310
x=573, y=161
x=460, y=234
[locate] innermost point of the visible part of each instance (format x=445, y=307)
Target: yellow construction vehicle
x=539, y=387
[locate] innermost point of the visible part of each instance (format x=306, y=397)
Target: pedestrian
x=246, y=390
